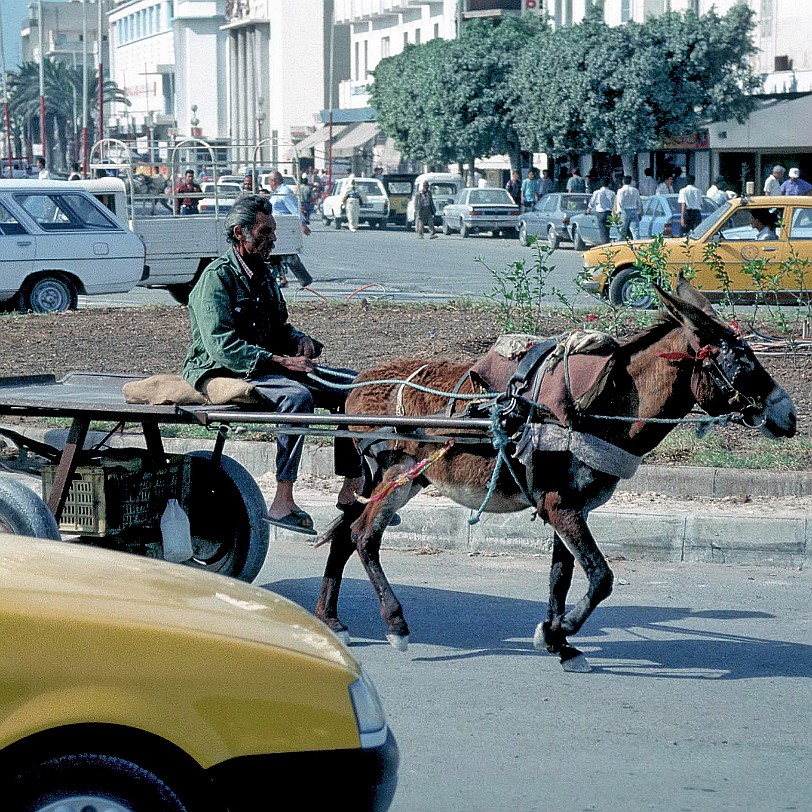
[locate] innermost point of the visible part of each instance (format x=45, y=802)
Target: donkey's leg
x=341, y=548
x=367, y=533
x=571, y=527
x=548, y=634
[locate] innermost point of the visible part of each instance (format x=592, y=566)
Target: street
x=394, y=264
x=699, y=698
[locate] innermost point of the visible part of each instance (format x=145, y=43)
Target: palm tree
x=63, y=84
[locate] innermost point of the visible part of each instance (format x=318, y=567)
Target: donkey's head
x=727, y=376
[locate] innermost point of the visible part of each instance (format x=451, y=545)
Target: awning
x=358, y=136
x=317, y=138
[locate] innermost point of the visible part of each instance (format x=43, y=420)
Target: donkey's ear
x=688, y=293
x=695, y=320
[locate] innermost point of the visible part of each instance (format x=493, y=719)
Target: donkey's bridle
x=723, y=374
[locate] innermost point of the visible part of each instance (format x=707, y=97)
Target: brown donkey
x=564, y=466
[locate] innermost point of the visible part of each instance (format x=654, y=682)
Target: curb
x=650, y=533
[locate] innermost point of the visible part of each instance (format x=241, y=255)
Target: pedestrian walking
x=424, y=206
x=629, y=205
x=794, y=184
x=351, y=203
x=647, y=186
x=545, y=183
x=690, y=200
x=602, y=203
x=514, y=187
x=530, y=191
x=576, y=184
x=772, y=184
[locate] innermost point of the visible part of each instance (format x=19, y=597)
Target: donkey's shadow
x=654, y=641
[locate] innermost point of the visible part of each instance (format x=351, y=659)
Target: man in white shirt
x=648, y=186
x=43, y=173
x=667, y=186
x=629, y=204
x=718, y=192
x=772, y=186
x=690, y=200
x=602, y=203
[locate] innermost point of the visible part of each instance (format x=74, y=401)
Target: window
x=405, y=38
x=417, y=36
x=69, y=212
x=625, y=11
x=801, y=225
x=357, y=60
x=739, y=227
x=436, y=30
x=9, y=225
x=366, y=57
x=384, y=47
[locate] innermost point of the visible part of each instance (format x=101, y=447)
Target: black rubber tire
x=382, y=224
x=577, y=241
x=336, y=223
x=23, y=513
x=621, y=291
x=464, y=231
x=180, y=293
x=552, y=238
x=446, y=229
x=226, y=515
x=106, y=781
x=48, y=293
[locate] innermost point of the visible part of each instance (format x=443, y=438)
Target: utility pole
x=84, y=88
x=330, y=112
x=101, y=68
x=5, y=100
x=40, y=25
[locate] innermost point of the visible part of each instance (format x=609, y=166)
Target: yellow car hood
x=68, y=581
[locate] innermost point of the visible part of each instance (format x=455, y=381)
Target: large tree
x=626, y=88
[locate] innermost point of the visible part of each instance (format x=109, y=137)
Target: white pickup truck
x=179, y=247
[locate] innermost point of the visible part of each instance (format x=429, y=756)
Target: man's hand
x=295, y=363
x=306, y=348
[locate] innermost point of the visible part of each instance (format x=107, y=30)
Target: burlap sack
x=159, y=390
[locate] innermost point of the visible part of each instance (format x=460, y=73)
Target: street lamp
x=260, y=114
x=194, y=121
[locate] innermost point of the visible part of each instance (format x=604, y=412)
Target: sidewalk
x=661, y=525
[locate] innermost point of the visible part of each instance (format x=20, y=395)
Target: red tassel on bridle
x=702, y=354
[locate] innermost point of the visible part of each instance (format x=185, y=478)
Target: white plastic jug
x=176, y=533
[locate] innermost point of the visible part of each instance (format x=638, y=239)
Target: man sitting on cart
x=240, y=328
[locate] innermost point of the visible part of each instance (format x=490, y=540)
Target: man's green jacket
x=237, y=323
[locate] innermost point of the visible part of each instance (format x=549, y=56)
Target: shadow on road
x=652, y=641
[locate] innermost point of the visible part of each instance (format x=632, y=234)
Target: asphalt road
x=699, y=700
x=394, y=264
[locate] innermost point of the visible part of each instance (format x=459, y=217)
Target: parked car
x=57, y=241
x=399, y=189
x=787, y=256
x=218, y=196
x=550, y=218
x=475, y=210
x=445, y=186
x=132, y=683
x=374, y=203
x=662, y=215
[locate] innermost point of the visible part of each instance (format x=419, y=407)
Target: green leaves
x=517, y=84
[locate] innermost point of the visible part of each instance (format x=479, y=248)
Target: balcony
x=356, y=11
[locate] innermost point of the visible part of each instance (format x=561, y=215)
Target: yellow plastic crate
x=122, y=491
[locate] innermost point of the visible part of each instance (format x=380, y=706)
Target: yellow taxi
x=133, y=684
x=749, y=247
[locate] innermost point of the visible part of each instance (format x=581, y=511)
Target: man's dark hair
x=648, y=171
x=690, y=179
x=40, y=161
x=767, y=217
x=627, y=179
x=75, y=166
x=244, y=214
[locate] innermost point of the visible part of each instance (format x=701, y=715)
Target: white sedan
x=477, y=209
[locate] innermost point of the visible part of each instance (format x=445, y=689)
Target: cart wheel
x=23, y=513
x=226, y=510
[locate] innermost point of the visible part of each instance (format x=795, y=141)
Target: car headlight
x=369, y=712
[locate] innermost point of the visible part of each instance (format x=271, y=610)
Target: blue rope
x=500, y=441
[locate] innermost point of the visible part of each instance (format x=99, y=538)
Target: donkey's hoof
x=399, y=642
x=343, y=636
x=575, y=662
x=539, y=643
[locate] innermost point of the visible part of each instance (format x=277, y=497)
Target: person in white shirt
x=764, y=221
x=772, y=185
x=667, y=186
x=629, y=204
x=43, y=173
x=602, y=204
x=718, y=192
x=690, y=200
x=647, y=186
